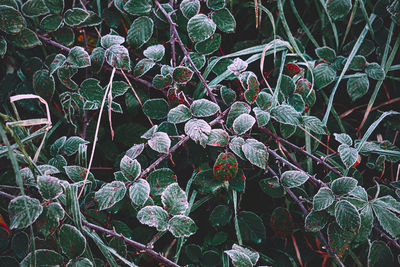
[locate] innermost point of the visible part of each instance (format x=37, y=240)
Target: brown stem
x=301, y=150
x=185, y=52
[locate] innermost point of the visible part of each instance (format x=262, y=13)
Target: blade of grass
x=346, y=66
x=353, y=13
x=303, y=26
x=20, y=183
x=333, y=26
x=380, y=82
x=278, y=83
x=237, y=229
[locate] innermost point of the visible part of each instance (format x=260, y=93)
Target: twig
x=138, y=246
x=172, y=39
x=284, y=141
x=185, y=52
x=176, y=146
x=388, y=238
x=7, y=195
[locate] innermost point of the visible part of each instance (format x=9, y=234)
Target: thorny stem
x=177, y=145
x=138, y=246
x=172, y=39
x=185, y=52
x=301, y=150
x=305, y=211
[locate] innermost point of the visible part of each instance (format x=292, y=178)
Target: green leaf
x=264, y=100
x=236, y=146
x=323, y=199
x=204, y=108
x=97, y=59
x=256, y=153
x=11, y=21
x=348, y=155
x=367, y=218
x=20, y=244
x=225, y=167
x=262, y=116
x=200, y=28
x=388, y=220
x=55, y=6
x=271, y=187
x=50, y=218
x=79, y=262
x=347, y=216
x=117, y=56
x=77, y=173
x=65, y=74
x=243, y=123
x=72, y=241
x=182, y=226
x=190, y=8
x=174, y=199
x=110, y=39
x=179, y=114
x=224, y=20
x=297, y=102
x=215, y=4
x=34, y=8
x=205, y=181
x=153, y=216
x=379, y=254
x=91, y=90
x=44, y=84
x=228, y=95
x=25, y=39
x=315, y=221
x=71, y=146
x=139, y=192
x=218, y=137
x=358, y=63
x=182, y=74
x=236, y=110
x=57, y=63
x=75, y=16
x=140, y=31
x=375, y=71
x=343, y=139
x=292, y=179
x=160, y=142
x=313, y=124
x=160, y=81
x=326, y=53
x=287, y=85
x=51, y=22
x=156, y=108
x=337, y=9
x=285, y=114
x=220, y=216
x=143, y=66
x=23, y=211
x=130, y=168
x=239, y=259
x=44, y=257
x=3, y=46
x=78, y=57
x=160, y=179
x=253, y=88
x=49, y=187
x=357, y=86
x=138, y=7
x=198, y=130
x=154, y=52
x=324, y=75
x=343, y=185
x=251, y=227
x=242, y=257
x=110, y=194
x=209, y=45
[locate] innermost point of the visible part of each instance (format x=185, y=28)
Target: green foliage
x=192, y=133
